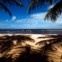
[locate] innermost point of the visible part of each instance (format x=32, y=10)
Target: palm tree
x=7, y=43
x=53, y=13
x=3, y=5
x=53, y=49
x=54, y=38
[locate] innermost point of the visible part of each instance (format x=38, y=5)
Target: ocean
x=31, y=31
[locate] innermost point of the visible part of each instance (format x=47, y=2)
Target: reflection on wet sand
x=30, y=48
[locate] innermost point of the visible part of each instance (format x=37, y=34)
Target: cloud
x=37, y=21
x=34, y=21
x=13, y=18
x=51, y=6
x=38, y=15
x=59, y=20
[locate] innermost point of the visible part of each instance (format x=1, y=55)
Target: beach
x=14, y=46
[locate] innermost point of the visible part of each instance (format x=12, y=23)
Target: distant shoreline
x=31, y=31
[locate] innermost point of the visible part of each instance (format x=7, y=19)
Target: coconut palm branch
x=18, y=3
x=5, y=45
x=45, y=41
x=50, y=47
x=54, y=39
x=11, y=2
x=47, y=44
x=7, y=41
x=21, y=38
x=2, y=6
x=39, y=3
x=55, y=11
x=4, y=3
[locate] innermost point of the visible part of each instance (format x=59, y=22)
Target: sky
x=20, y=19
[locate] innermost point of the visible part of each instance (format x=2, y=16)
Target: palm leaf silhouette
x=53, y=39
x=54, y=12
x=5, y=8
x=4, y=3
x=18, y=3
x=6, y=45
x=7, y=41
x=20, y=53
x=53, y=50
x=39, y=3
x=21, y=38
x=30, y=56
x=49, y=47
x=11, y=2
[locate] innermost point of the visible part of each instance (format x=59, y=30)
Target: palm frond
x=21, y=38
x=4, y=3
x=31, y=6
x=54, y=12
x=18, y=3
x=5, y=45
x=39, y=3
x=9, y=2
x=53, y=39
x=5, y=8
